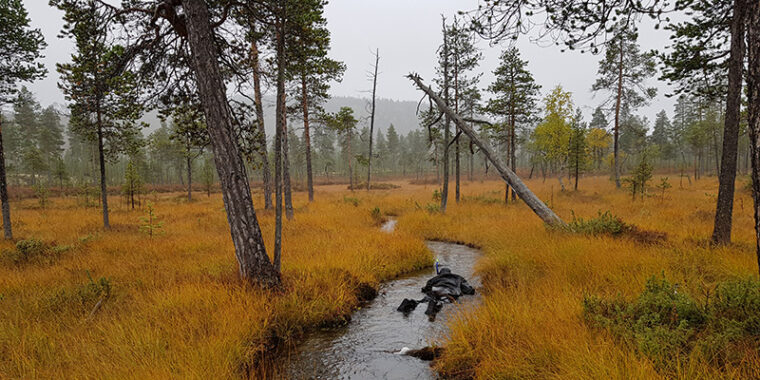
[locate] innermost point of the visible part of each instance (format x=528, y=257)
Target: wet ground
x=367, y=347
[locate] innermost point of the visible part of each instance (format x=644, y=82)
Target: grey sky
x=407, y=32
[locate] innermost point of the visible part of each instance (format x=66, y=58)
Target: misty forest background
x=42, y=152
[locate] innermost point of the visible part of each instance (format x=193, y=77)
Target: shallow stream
x=366, y=348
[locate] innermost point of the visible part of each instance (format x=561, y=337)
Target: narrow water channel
x=367, y=347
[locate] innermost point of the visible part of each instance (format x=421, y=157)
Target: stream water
x=366, y=348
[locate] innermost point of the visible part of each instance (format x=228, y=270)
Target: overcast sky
x=407, y=33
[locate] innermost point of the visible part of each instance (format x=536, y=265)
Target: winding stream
x=366, y=348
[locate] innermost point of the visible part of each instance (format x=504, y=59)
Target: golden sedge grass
x=177, y=308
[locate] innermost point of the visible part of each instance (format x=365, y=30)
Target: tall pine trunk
x=513, y=159
x=307, y=138
x=103, y=185
x=753, y=97
x=253, y=263
x=286, y=166
x=447, y=122
x=615, y=157
x=725, y=206
x=372, y=119
x=472, y=158
x=7, y=230
x=350, y=167
x=456, y=109
x=280, y=122
x=189, y=177
x=510, y=142
x=265, y=170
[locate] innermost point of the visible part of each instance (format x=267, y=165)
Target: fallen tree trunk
x=543, y=212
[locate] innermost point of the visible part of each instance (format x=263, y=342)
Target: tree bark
x=103, y=185
x=189, y=175
x=472, y=158
x=253, y=263
x=577, y=169
x=725, y=206
x=456, y=109
x=538, y=207
x=513, y=159
x=307, y=138
x=510, y=141
x=286, y=166
x=753, y=97
x=615, y=158
x=279, y=129
x=7, y=228
x=266, y=174
x=447, y=122
x=372, y=119
x=350, y=168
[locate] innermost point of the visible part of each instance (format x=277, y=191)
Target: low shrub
x=351, y=200
x=483, y=199
x=33, y=251
x=670, y=327
x=374, y=186
x=82, y=298
x=377, y=216
x=608, y=224
x=603, y=223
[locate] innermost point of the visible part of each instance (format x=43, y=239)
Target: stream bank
x=368, y=346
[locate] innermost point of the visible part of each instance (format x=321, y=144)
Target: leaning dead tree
x=543, y=212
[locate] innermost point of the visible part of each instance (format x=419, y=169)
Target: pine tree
x=103, y=97
x=207, y=175
x=185, y=51
x=189, y=130
x=311, y=70
x=463, y=58
x=445, y=73
x=599, y=120
x=661, y=137
x=133, y=184
x=60, y=173
x=26, y=117
x=753, y=112
x=381, y=153
x=50, y=138
x=393, y=143
x=324, y=144
x=372, y=111
x=623, y=73
x=22, y=48
x=344, y=123
x=707, y=59
x=578, y=147
x=515, y=100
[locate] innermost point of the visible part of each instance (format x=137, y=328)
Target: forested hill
x=400, y=113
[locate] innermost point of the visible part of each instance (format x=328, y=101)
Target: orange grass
x=178, y=310
x=530, y=324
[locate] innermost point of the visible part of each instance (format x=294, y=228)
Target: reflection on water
x=365, y=348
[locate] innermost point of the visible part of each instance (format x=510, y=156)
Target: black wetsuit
x=445, y=287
